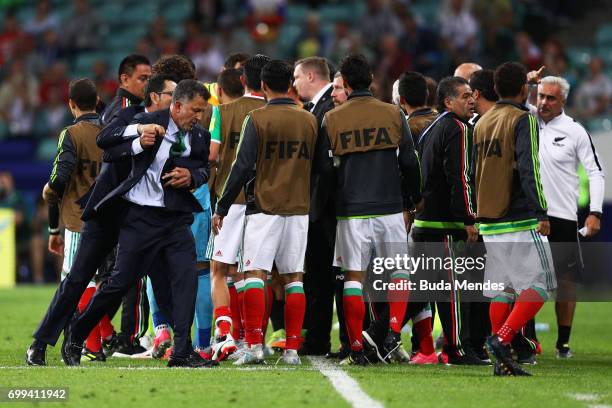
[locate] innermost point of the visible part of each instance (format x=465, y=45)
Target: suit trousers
x=135, y=305
x=98, y=237
x=320, y=283
x=150, y=236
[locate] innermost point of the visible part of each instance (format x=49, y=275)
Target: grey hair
x=555, y=80
x=188, y=89
x=395, y=96
x=338, y=74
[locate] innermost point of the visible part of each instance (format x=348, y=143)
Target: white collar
x=250, y=95
x=554, y=120
x=172, y=130
x=319, y=95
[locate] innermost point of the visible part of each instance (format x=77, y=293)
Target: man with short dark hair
x=157, y=218
x=74, y=170
x=476, y=314
x=134, y=73
x=378, y=182
x=413, y=94
x=447, y=219
x=229, y=85
x=278, y=141
x=512, y=214
x=100, y=230
x=236, y=60
x=432, y=87
x=223, y=248
x=482, y=84
x=174, y=67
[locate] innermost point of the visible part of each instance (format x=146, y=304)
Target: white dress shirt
x=319, y=95
x=149, y=190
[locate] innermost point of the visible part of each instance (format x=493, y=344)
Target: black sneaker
x=500, y=371
x=371, y=350
x=468, y=358
x=564, y=351
x=391, y=346
x=127, y=350
x=71, y=352
x=526, y=357
x=207, y=362
x=483, y=355
x=341, y=354
x=308, y=349
x=36, y=356
x=356, y=358
x=111, y=345
x=504, y=357
x=93, y=355
x=193, y=361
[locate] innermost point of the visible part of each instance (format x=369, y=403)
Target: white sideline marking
x=600, y=406
x=584, y=397
x=346, y=386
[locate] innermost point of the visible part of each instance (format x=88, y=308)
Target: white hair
x=555, y=80
x=395, y=96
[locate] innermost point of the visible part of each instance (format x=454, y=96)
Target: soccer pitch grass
x=583, y=381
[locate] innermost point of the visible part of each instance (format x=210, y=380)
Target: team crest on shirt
x=557, y=140
x=339, y=259
x=248, y=262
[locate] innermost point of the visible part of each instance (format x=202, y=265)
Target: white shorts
x=274, y=239
x=71, y=245
x=225, y=246
x=518, y=260
x=358, y=238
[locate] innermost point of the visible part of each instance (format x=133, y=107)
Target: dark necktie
x=178, y=147
x=308, y=106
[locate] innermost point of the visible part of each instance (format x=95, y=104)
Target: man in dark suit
x=134, y=73
x=101, y=227
x=157, y=217
x=312, y=82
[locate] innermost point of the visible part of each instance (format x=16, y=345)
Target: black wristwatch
x=596, y=214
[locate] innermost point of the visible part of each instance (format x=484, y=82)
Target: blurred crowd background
x=44, y=44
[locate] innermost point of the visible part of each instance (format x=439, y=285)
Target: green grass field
x=584, y=381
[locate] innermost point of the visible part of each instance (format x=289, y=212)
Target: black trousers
x=98, y=237
x=150, y=235
x=320, y=282
x=451, y=310
x=134, y=307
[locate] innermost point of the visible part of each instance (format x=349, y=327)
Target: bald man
x=466, y=70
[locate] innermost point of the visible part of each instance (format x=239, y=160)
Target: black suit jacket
x=324, y=105
x=197, y=162
x=111, y=174
x=322, y=185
